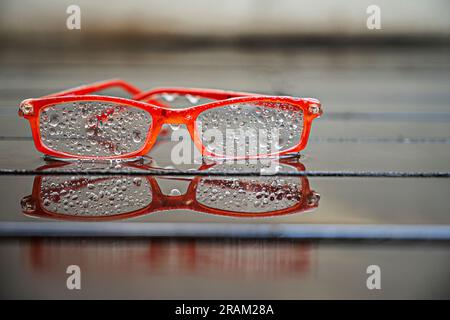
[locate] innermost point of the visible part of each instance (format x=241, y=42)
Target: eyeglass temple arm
x=204, y=93
x=98, y=86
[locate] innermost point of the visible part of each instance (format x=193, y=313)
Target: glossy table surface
x=386, y=111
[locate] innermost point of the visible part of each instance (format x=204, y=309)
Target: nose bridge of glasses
x=174, y=116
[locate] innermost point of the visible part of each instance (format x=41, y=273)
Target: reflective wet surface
x=214, y=269
x=382, y=113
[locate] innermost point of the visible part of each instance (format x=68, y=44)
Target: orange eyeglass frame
x=162, y=202
x=163, y=114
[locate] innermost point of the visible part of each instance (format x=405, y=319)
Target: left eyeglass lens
x=94, y=196
x=93, y=128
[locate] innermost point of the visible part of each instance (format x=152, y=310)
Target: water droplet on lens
x=137, y=181
x=117, y=151
x=175, y=192
x=168, y=97
x=137, y=137
x=192, y=99
x=54, y=120
x=175, y=126
x=90, y=132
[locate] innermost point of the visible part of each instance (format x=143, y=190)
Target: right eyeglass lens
x=249, y=195
x=93, y=128
x=250, y=129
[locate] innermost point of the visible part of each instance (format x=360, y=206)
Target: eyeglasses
x=94, y=198
x=78, y=124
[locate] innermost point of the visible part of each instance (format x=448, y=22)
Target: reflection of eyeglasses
x=77, y=124
x=111, y=198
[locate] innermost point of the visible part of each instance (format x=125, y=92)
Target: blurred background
x=317, y=48
x=222, y=20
